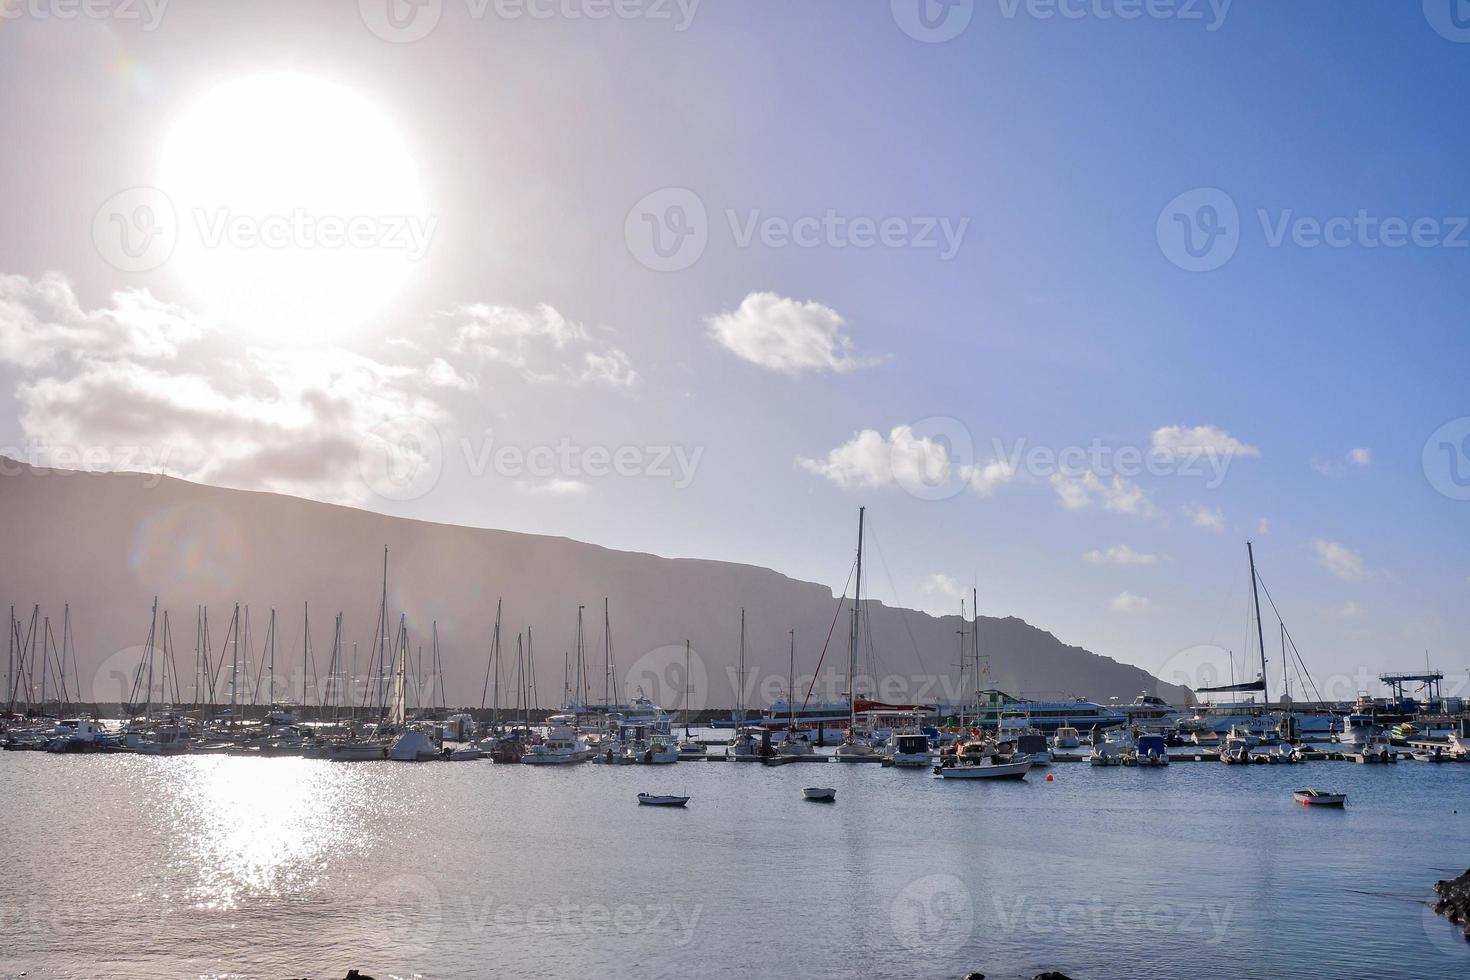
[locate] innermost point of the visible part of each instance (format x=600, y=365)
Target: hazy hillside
x=107, y=543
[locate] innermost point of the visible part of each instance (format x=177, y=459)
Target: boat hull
x=1000, y=770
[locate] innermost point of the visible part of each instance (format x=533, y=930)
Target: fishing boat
x=819, y=794
x=651, y=799
x=1314, y=797
x=983, y=769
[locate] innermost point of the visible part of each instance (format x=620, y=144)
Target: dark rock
x=1051, y=975
x=974, y=976
x=354, y=975
x=1454, y=901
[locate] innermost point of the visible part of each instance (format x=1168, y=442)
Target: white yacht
x=563, y=746
x=1151, y=713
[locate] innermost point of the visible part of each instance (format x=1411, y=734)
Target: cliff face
x=108, y=543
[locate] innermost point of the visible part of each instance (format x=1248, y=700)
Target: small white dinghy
x=651, y=799
x=820, y=794
x=1316, y=797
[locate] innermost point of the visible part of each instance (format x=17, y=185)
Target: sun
x=299, y=208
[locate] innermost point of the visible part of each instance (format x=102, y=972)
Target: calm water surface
x=141, y=867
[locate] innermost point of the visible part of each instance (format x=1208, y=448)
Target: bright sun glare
x=300, y=210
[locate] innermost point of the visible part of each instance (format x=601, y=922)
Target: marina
x=435, y=870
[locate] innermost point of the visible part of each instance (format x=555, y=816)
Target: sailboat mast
x=686, y=688
x=607, y=682
x=740, y=694
x=791, y=687
x=852, y=646
x=1260, y=633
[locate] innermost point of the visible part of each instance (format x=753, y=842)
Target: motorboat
x=1436, y=753
x=1315, y=797
x=983, y=769
x=657, y=751
x=1033, y=745
x=690, y=749
x=908, y=750
x=1112, y=749
x=563, y=746
x=1151, y=750
x=819, y=794
x=465, y=752
x=77, y=735
x=651, y=799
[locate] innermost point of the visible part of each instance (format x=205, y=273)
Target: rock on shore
x=1454, y=901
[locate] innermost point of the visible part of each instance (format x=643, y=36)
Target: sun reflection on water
x=236, y=828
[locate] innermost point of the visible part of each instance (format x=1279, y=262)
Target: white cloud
x=557, y=487
x=869, y=459
x=1359, y=457
x=1263, y=526
x=1348, y=610
x=1122, y=554
x=1118, y=495
x=787, y=336
x=1340, y=560
x=1128, y=603
x=1211, y=519
x=540, y=344
x=43, y=323
x=984, y=478
x=1200, y=440
x=145, y=385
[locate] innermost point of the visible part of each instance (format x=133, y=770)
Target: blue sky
x=1060, y=320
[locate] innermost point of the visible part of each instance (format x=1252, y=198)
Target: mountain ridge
x=109, y=542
